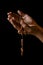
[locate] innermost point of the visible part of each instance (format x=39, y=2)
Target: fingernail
x=7, y=18
x=9, y=13
x=18, y=31
x=19, y=12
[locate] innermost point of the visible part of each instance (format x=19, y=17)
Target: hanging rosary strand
x=22, y=46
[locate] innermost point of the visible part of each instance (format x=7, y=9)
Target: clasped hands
x=22, y=22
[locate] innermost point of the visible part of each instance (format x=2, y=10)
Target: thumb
x=20, y=13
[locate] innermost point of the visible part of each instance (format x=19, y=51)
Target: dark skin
x=25, y=24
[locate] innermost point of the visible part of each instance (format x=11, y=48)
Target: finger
x=13, y=19
x=22, y=23
x=27, y=19
x=16, y=26
x=22, y=31
x=9, y=13
x=14, y=23
x=10, y=16
x=20, y=13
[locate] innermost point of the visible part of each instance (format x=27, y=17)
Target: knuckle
x=23, y=24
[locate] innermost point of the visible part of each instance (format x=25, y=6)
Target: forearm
x=39, y=33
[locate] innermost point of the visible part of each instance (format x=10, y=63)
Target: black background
x=10, y=39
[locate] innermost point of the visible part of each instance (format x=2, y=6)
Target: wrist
x=39, y=33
